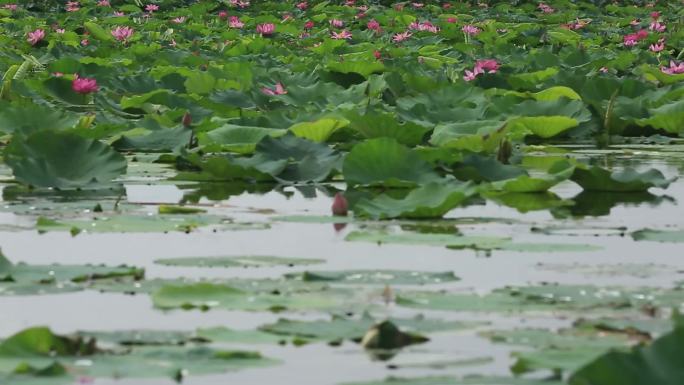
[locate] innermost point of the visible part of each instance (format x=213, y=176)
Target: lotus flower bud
x=187, y=119
x=340, y=205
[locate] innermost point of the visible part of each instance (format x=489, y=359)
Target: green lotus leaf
x=319, y=130
x=221, y=296
x=387, y=277
x=62, y=160
x=536, y=184
x=384, y=161
x=668, y=117
x=431, y=200
x=363, y=68
x=661, y=362
x=475, y=136
x=471, y=380
x=163, y=140
x=671, y=236
x=25, y=119
x=221, y=168
x=238, y=139
x=594, y=178
x=246, y=261
x=25, y=279
x=354, y=328
x=542, y=126
x=379, y=124
x=481, y=168
x=39, y=347
x=303, y=160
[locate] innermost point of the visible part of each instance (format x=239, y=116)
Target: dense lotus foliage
x=398, y=112
x=298, y=92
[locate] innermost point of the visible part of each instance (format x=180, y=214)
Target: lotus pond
x=341, y=192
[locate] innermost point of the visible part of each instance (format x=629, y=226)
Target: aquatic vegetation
x=277, y=174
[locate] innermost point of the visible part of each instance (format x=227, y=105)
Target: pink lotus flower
x=118, y=13
x=265, y=29
x=84, y=85
x=546, y=8
x=337, y=23
x=340, y=206
x=470, y=30
x=377, y=55
x=451, y=20
x=302, y=6
x=85, y=42
x=603, y=70
x=657, y=47
x=635, y=22
x=239, y=3
x=11, y=7
x=234, y=22
x=278, y=90
x=399, y=37
x=488, y=65
x=60, y=31
x=103, y=3
x=657, y=26
x=223, y=15
x=655, y=15
x=122, y=33
x=151, y=8
x=342, y=35
x=629, y=40
x=471, y=75
x=674, y=68
x=641, y=34
x=36, y=36
x=424, y=26
x=309, y=25
x=373, y=25
x=179, y=20
x=72, y=6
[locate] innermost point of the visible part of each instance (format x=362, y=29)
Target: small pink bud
x=340, y=205
x=187, y=119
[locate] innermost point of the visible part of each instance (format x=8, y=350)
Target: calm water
x=653, y=264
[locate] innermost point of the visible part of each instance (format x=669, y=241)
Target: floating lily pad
x=39, y=347
x=388, y=277
x=544, y=298
x=246, y=261
x=354, y=329
x=221, y=296
x=24, y=279
x=669, y=236
x=226, y=335
x=407, y=238
x=134, y=224
x=473, y=380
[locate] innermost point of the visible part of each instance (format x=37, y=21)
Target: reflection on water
x=564, y=216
